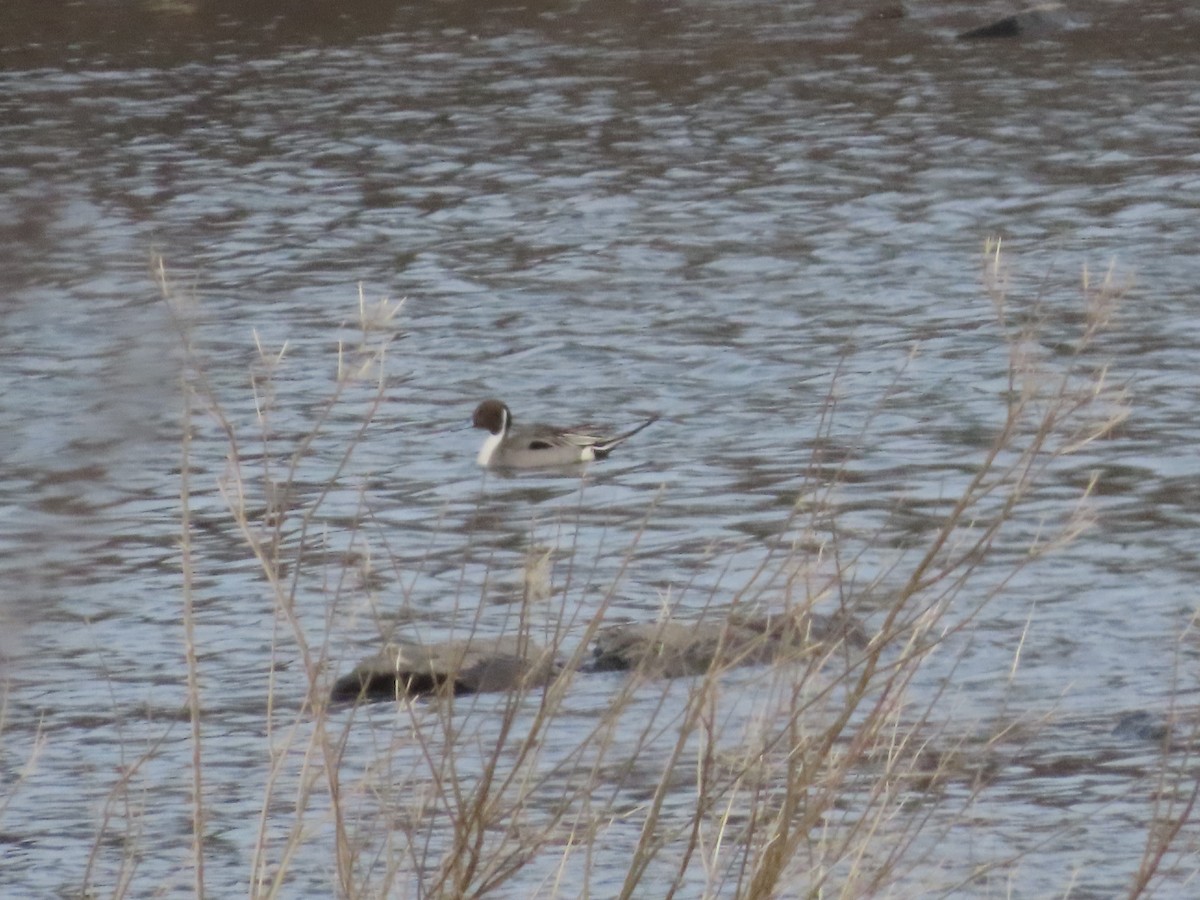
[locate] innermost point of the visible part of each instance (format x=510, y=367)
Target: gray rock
x=672, y=648
x=668, y=649
x=469, y=666
x=1143, y=726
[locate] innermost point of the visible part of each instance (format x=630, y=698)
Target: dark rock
x=471, y=666
x=1044, y=20
x=1008, y=27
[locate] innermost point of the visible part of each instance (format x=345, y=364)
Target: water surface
x=764, y=223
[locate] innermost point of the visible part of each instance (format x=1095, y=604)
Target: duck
x=510, y=446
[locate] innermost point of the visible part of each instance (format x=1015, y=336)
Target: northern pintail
x=510, y=446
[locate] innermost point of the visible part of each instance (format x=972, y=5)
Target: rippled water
x=727, y=213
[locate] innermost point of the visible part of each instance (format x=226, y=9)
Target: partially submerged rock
x=1042, y=20
x=470, y=666
x=668, y=649
x=1142, y=725
x=672, y=648
x=806, y=629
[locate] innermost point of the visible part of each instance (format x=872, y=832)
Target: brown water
x=704, y=210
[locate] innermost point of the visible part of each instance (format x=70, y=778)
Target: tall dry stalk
x=359, y=364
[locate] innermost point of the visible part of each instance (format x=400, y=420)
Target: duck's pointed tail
x=603, y=448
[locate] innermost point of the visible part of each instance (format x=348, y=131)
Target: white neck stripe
x=490, y=443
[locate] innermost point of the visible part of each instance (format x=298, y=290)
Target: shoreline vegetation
x=771, y=761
